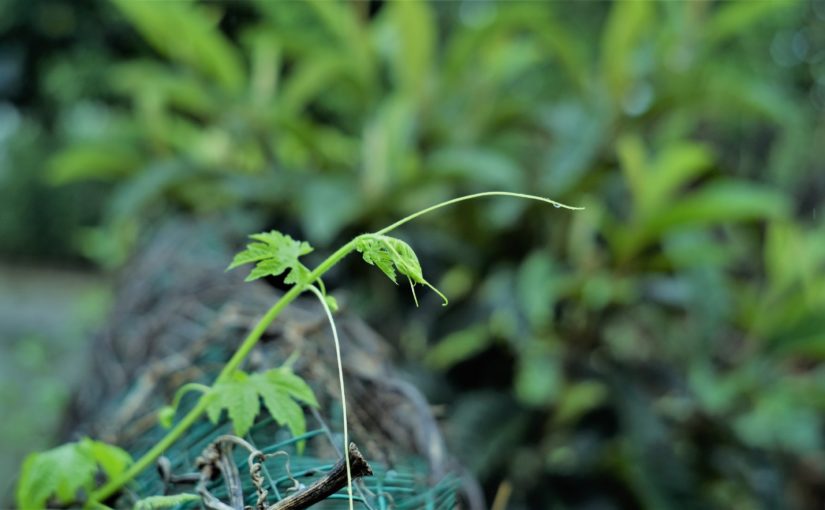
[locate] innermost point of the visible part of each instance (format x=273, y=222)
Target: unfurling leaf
x=273, y=254
x=390, y=255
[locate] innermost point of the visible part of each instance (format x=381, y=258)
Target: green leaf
x=158, y=502
x=269, y=267
x=112, y=460
x=284, y=243
x=166, y=25
x=413, y=30
x=327, y=203
x=390, y=255
x=274, y=253
x=243, y=409
x=298, y=274
x=655, y=182
x=578, y=399
x=253, y=253
x=626, y=27
x=672, y=170
x=459, y=346
x=375, y=255
x=98, y=159
x=240, y=398
x=351, y=39
x=722, y=202
x=213, y=410
x=279, y=388
x=483, y=166
x=60, y=471
x=539, y=374
x=283, y=409
x=537, y=288
x=309, y=80
x=733, y=19
x=285, y=380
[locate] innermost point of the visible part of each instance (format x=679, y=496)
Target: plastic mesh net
x=301, y=460
x=405, y=485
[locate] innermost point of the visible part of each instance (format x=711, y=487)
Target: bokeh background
x=662, y=349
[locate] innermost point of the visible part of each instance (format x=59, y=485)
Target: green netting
x=403, y=486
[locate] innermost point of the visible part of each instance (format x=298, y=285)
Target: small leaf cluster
x=391, y=256
x=280, y=389
x=64, y=470
x=273, y=254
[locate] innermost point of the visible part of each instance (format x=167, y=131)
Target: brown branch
x=216, y=459
x=334, y=481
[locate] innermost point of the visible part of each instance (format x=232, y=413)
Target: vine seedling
x=61, y=473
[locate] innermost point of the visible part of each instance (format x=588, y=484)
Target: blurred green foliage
x=662, y=349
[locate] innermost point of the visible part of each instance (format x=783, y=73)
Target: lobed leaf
x=62, y=471
x=280, y=388
x=243, y=407
x=296, y=387
x=282, y=408
x=274, y=254
x=253, y=253
x=268, y=267
x=298, y=274
x=239, y=398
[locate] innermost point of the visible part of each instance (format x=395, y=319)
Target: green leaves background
x=683, y=307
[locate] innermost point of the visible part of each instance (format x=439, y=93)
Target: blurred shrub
x=661, y=349
x=39, y=221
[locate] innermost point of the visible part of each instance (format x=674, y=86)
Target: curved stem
x=254, y=335
x=471, y=197
x=186, y=388
x=341, y=382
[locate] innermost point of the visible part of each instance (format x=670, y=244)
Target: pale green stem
x=471, y=197
x=186, y=388
x=252, y=338
x=341, y=382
